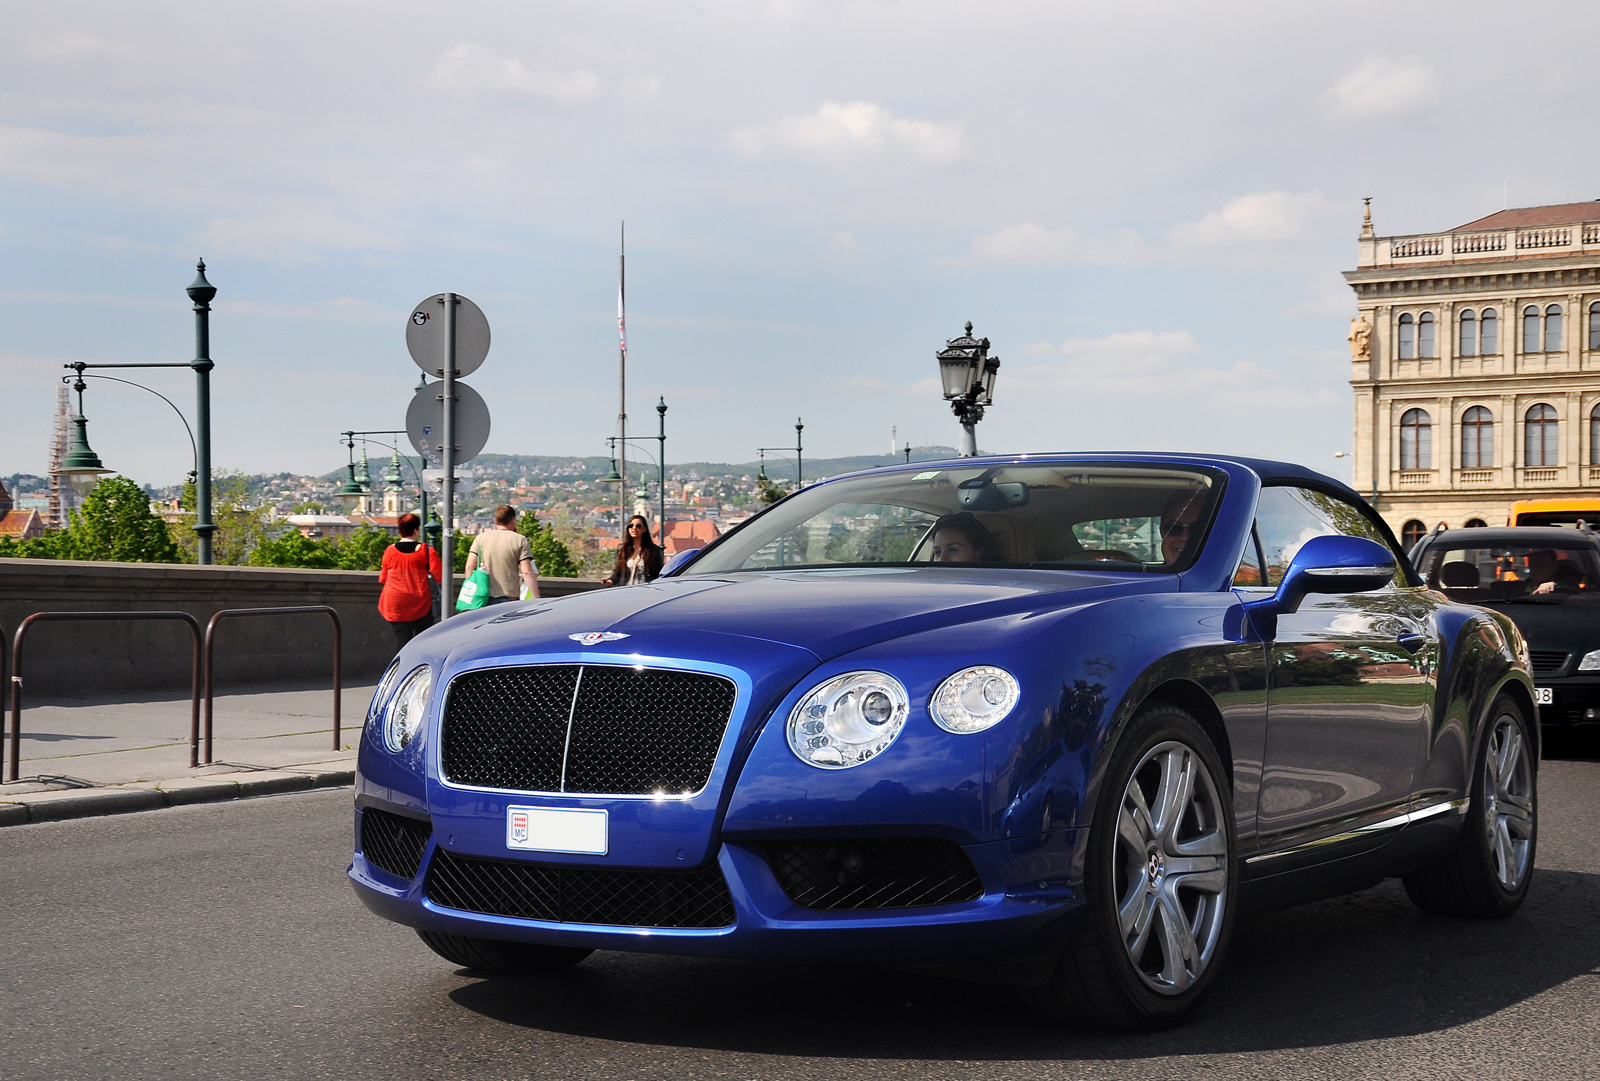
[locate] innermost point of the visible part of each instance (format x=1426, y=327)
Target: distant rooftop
x=1534, y=216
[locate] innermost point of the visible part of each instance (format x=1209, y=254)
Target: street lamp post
x=81, y=465
x=967, y=372
x=661, y=440
x=799, y=461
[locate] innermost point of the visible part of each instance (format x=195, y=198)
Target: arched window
x=1408, y=337
x=1469, y=333
x=1411, y=533
x=1530, y=330
x=1594, y=325
x=1594, y=436
x=1426, y=338
x=1475, y=523
x=1416, y=440
x=1543, y=436
x=1489, y=343
x=1477, y=438
x=1552, y=329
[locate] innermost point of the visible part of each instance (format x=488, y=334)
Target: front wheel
x=1159, y=884
x=489, y=955
x=1489, y=871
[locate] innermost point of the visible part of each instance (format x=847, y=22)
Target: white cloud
x=288, y=238
x=1263, y=217
x=474, y=67
x=70, y=46
x=1144, y=364
x=1382, y=87
x=842, y=132
x=1032, y=243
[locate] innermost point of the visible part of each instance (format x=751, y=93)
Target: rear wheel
x=1159, y=883
x=1489, y=871
x=490, y=955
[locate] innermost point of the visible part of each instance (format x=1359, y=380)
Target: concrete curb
x=26, y=807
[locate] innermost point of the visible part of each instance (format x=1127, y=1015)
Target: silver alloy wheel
x=1171, y=867
x=1508, y=801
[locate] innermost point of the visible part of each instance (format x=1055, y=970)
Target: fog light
x=1591, y=714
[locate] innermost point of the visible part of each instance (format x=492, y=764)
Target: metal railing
x=211, y=628
x=53, y=617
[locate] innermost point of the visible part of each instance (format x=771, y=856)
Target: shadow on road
x=1358, y=968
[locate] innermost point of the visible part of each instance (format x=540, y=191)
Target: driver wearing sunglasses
x=1180, y=524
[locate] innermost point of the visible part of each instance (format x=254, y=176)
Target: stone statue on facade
x=1360, y=338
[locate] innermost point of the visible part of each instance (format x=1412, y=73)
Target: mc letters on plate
x=556, y=829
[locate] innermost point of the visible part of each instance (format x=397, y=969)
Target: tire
x=489, y=955
x=1103, y=980
x=1488, y=873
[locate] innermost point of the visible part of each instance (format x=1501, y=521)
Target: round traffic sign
x=425, y=423
x=425, y=335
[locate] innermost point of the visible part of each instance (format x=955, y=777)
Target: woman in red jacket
x=408, y=565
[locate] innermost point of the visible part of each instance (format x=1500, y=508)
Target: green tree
x=240, y=528
x=770, y=493
x=115, y=523
x=363, y=549
x=294, y=549
x=551, y=557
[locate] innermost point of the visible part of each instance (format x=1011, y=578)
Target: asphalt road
x=223, y=941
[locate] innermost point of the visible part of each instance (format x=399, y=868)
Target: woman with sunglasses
x=638, y=557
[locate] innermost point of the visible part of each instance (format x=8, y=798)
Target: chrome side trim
x=1393, y=822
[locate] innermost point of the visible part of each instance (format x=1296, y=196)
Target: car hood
x=827, y=613
x=1573, y=626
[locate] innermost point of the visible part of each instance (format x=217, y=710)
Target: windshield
x=1515, y=572
x=1111, y=517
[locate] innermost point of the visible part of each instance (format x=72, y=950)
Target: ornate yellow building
x=1476, y=366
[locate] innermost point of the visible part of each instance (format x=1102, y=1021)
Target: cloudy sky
x=1144, y=205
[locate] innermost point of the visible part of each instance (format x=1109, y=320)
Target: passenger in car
x=961, y=538
x=1180, y=523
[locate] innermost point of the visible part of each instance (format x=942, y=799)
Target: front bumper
x=1026, y=907
x=1576, y=701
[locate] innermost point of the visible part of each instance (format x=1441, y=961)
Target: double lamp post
x=82, y=468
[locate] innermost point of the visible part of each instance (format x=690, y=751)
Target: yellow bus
x=1558, y=512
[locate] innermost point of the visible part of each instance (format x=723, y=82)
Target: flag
x=622, y=322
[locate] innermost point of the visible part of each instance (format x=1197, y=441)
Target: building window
x=1426, y=338
x=1411, y=533
x=1408, y=337
x=1469, y=333
x=1530, y=330
x=1594, y=325
x=1543, y=436
x=1475, y=523
x=1489, y=329
x=1552, y=329
x=1594, y=436
x=1477, y=438
x=1416, y=440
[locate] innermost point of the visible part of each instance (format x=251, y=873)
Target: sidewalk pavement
x=129, y=751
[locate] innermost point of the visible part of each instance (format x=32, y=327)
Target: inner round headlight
x=410, y=704
x=974, y=699
x=848, y=719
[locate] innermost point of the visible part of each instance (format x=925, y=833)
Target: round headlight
x=405, y=714
x=381, y=696
x=848, y=719
x=974, y=699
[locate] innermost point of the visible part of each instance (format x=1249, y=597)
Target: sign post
x=448, y=336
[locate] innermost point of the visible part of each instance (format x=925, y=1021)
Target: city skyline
x=1146, y=211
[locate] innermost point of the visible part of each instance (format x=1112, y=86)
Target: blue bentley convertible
x=1046, y=720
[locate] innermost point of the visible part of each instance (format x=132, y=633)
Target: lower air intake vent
x=392, y=842
x=879, y=872
x=534, y=891
x=1548, y=662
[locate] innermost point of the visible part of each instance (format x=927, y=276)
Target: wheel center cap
x=1154, y=869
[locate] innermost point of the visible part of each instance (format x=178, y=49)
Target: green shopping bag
x=474, y=591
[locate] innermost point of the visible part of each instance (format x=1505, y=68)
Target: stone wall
x=72, y=657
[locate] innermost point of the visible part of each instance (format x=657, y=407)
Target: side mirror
x=1324, y=565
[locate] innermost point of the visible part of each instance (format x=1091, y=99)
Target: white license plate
x=556, y=829
x=1544, y=696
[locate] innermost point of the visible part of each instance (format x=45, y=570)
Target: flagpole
x=622, y=410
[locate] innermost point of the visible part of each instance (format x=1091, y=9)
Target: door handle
x=1412, y=642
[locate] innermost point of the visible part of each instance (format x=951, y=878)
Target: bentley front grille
x=591, y=729
x=535, y=891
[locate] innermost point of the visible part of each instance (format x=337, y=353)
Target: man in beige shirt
x=505, y=556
